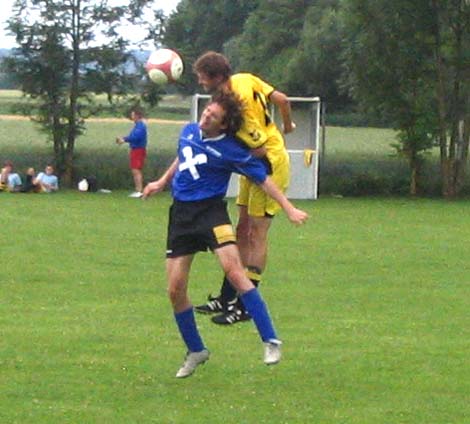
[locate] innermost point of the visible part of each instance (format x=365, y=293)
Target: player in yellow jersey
x=256, y=209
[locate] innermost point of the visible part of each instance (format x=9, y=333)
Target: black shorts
x=198, y=226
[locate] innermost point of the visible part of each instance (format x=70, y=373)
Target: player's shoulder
x=189, y=128
x=236, y=144
x=243, y=82
x=243, y=78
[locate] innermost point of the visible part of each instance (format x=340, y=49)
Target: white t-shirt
x=52, y=180
x=14, y=180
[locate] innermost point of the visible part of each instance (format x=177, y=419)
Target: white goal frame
x=303, y=145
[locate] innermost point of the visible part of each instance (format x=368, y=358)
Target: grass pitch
x=371, y=298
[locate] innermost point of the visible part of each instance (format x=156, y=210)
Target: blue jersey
x=206, y=164
x=137, y=138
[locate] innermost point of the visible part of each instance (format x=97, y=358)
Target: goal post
x=302, y=144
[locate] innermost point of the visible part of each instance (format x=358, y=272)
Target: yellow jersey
x=258, y=128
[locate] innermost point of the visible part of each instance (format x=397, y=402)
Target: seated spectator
x=4, y=178
x=47, y=181
x=29, y=185
x=9, y=180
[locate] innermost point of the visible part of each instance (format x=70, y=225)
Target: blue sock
x=256, y=307
x=188, y=330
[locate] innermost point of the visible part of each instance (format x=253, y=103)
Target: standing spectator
x=9, y=180
x=137, y=140
x=47, y=181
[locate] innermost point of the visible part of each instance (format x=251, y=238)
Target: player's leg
x=227, y=297
x=258, y=244
x=178, y=274
x=254, y=225
x=138, y=180
x=228, y=294
x=137, y=160
x=230, y=261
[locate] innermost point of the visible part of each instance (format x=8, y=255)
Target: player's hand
x=119, y=140
x=152, y=188
x=297, y=216
x=287, y=129
x=259, y=152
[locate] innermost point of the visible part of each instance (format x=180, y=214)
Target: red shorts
x=137, y=157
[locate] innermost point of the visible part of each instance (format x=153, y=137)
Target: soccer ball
x=163, y=66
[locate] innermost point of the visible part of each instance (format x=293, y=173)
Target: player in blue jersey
x=198, y=220
x=137, y=140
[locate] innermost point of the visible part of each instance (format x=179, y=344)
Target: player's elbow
x=279, y=99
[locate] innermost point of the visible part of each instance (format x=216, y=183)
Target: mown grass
x=371, y=299
x=363, y=161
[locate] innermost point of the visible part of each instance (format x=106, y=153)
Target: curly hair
x=233, y=108
x=213, y=64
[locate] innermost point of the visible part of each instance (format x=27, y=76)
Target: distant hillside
x=140, y=55
x=6, y=83
x=4, y=52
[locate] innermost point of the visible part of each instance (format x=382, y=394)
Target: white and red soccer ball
x=164, y=66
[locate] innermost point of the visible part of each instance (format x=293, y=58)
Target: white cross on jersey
x=191, y=161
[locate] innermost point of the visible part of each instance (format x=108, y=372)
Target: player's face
x=211, y=122
x=208, y=84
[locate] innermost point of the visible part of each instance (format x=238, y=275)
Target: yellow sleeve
x=254, y=94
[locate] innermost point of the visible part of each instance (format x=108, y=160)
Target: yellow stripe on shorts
x=253, y=275
x=224, y=233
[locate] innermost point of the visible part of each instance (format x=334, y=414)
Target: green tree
x=316, y=65
x=406, y=58
x=60, y=60
x=201, y=25
x=269, y=39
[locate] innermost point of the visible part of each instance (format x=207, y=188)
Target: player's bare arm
x=296, y=216
x=282, y=102
x=158, y=185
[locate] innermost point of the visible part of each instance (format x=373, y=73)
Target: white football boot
x=191, y=361
x=272, y=352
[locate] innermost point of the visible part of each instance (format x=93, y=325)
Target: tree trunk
x=67, y=176
x=413, y=182
x=72, y=128
x=452, y=106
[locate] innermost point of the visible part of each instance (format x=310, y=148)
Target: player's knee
x=175, y=294
x=236, y=276
x=242, y=229
x=258, y=236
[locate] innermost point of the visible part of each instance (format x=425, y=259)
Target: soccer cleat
x=136, y=195
x=233, y=315
x=272, y=352
x=191, y=361
x=213, y=305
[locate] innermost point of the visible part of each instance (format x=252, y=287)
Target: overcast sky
x=7, y=42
